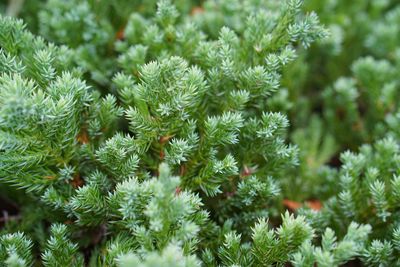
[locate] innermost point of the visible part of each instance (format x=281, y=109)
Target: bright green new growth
x=169, y=133
x=15, y=250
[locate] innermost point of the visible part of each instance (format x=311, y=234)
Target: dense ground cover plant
x=199, y=133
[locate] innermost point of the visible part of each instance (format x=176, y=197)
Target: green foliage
x=59, y=250
x=15, y=250
x=171, y=256
x=332, y=252
x=199, y=133
x=157, y=212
